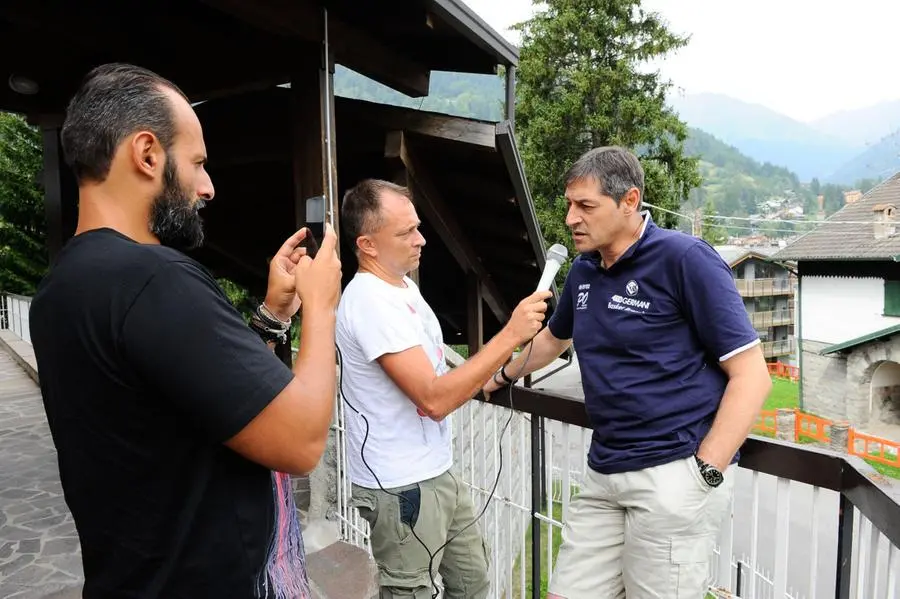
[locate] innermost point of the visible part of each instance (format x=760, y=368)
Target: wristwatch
x=712, y=475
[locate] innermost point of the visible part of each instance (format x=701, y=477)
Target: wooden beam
x=77, y=39
x=401, y=177
x=506, y=145
x=312, y=103
x=438, y=213
x=394, y=118
x=60, y=191
x=312, y=100
x=475, y=314
x=353, y=47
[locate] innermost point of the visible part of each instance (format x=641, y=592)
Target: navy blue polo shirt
x=649, y=333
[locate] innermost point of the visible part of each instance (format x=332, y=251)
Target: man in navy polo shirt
x=673, y=379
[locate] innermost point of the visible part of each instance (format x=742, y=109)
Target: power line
x=770, y=220
x=691, y=219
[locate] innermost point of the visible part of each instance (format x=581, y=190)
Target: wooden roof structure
x=215, y=48
x=263, y=70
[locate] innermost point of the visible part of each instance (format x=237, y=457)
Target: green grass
x=545, y=568
x=784, y=394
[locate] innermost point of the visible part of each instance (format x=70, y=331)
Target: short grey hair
x=615, y=169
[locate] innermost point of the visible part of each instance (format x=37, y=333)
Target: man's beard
x=174, y=218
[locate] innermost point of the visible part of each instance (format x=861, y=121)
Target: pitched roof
x=862, y=340
x=732, y=254
x=849, y=233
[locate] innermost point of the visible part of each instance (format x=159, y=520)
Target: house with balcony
x=768, y=291
x=848, y=321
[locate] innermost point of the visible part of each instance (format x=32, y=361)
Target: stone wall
x=886, y=404
x=838, y=386
x=825, y=389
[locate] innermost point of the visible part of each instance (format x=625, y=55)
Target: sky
x=803, y=58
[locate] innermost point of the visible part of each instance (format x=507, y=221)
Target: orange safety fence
x=809, y=427
x=884, y=451
x=784, y=371
x=766, y=422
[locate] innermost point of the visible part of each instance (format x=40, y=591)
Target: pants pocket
x=366, y=503
x=410, y=502
x=690, y=558
x=695, y=474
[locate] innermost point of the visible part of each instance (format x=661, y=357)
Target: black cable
x=412, y=529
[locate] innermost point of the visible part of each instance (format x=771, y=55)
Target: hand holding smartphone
x=315, y=222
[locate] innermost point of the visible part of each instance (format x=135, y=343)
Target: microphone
x=556, y=255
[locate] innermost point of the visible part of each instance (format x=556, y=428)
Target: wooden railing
x=763, y=287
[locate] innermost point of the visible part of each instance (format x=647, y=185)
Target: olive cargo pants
x=437, y=509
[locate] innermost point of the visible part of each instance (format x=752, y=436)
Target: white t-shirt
x=404, y=446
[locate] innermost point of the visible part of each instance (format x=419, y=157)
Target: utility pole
x=697, y=225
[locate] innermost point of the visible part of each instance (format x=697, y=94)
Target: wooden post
x=60, y=191
x=312, y=107
x=314, y=168
x=475, y=314
x=401, y=177
x=511, y=95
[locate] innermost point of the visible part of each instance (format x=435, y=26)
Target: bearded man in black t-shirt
x=175, y=424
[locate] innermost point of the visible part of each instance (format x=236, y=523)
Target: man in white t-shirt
x=400, y=391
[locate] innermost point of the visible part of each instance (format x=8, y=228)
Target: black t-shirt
x=146, y=369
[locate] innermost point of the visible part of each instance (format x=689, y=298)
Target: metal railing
x=805, y=523
x=763, y=287
x=791, y=530
x=14, y=315
x=482, y=436
x=774, y=349
x=772, y=318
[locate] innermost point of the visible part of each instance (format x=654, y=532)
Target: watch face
x=713, y=477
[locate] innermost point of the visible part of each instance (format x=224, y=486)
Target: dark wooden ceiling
x=214, y=48
x=234, y=53
x=470, y=195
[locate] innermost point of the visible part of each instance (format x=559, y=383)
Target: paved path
x=39, y=551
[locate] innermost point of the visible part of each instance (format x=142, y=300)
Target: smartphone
x=315, y=222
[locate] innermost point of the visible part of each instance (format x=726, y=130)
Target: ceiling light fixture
x=23, y=85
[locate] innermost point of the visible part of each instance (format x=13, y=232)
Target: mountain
x=738, y=185
x=863, y=126
x=881, y=160
x=765, y=135
x=738, y=181
x=466, y=95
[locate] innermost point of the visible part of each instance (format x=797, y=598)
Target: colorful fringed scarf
x=284, y=574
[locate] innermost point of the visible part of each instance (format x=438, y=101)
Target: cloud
x=804, y=58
